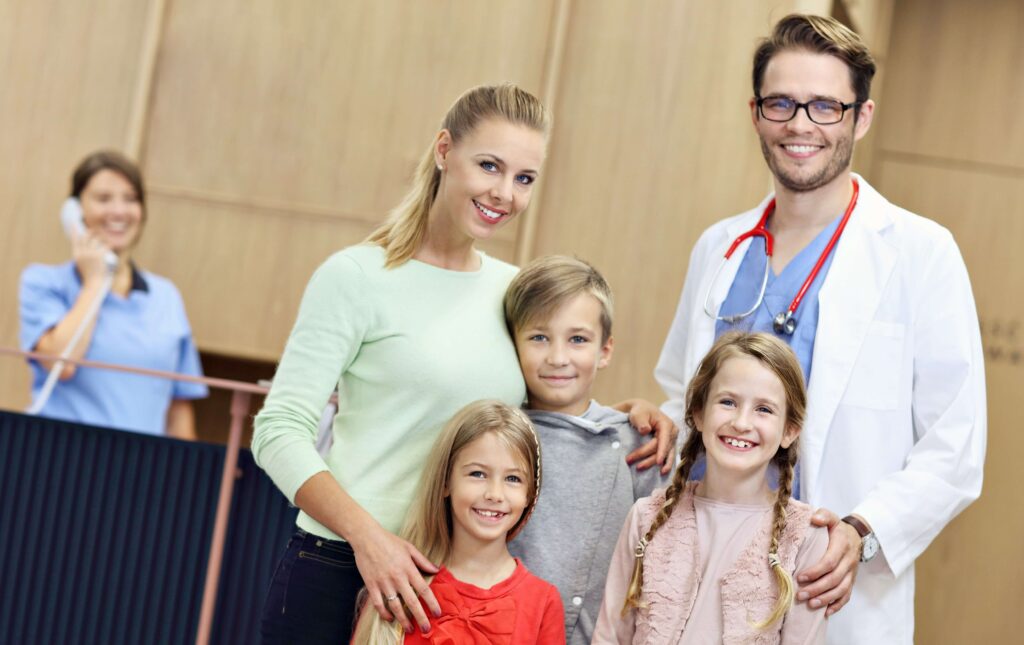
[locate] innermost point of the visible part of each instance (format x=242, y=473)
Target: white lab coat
x=895, y=427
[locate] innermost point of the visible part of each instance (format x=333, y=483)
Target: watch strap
x=860, y=527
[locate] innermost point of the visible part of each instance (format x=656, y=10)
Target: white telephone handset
x=74, y=225
x=73, y=221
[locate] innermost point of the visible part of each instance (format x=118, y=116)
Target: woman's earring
x=440, y=167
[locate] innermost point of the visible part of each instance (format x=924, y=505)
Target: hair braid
x=785, y=459
x=691, y=450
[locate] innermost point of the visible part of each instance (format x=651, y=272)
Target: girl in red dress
x=479, y=488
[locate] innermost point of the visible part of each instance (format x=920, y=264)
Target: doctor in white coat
x=895, y=432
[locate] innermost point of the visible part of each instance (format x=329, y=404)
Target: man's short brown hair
x=820, y=35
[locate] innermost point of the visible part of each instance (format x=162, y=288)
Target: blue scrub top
x=147, y=328
x=778, y=295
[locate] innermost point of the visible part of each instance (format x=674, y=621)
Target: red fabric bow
x=490, y=622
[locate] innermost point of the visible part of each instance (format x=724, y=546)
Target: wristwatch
x=868, y=542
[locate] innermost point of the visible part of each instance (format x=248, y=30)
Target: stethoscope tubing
x=784, y=322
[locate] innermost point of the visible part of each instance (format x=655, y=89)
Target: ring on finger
x=391, y=597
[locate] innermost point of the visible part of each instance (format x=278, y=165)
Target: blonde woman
x=712, y=561
x=479, y=487
x=409, y=327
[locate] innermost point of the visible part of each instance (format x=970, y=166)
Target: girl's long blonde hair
x=779, y=358
x=402, y=233
x=428, y=526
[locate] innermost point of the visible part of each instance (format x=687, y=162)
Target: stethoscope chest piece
x=784, y=323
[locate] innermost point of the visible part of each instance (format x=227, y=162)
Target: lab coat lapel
x=862, y=267
x=704, y=325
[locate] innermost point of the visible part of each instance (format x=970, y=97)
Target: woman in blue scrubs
x=141, y=322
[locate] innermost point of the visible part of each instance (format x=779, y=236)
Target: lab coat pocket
x=875, y=382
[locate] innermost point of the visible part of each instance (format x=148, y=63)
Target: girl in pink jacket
x=712, y=561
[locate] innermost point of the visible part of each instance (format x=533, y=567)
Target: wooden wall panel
x=654, y=144
x=958, y=92
x=68, y=71
x=945, y=150
x=310, y=125
x=984, y=212
x=872, y=19
x=328, y=106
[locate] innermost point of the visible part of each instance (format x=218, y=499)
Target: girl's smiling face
x=487, y=489
x=743, y=423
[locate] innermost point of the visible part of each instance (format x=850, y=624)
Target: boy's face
x=561, y=355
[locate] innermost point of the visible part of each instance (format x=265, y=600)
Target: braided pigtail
x=785, y=459
x=692, y=449
x=777, y=357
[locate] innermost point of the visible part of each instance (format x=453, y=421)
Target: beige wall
x=950, y=145
x=273, y=133
x=68, y=88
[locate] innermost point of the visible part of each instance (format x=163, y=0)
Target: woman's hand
x=90, y=255
x=646, y=417
x=391, y=568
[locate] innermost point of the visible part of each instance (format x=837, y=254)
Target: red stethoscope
x=784, y=322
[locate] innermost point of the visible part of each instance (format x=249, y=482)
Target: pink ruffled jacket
x=672, y=576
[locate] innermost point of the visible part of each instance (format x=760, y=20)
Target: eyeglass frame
x=846, y=106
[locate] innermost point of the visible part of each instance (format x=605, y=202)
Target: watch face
x=868, y=547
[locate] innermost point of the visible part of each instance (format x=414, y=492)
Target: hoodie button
x=577, y=601
x=616, y=444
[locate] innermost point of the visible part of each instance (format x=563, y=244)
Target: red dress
x=520, y=610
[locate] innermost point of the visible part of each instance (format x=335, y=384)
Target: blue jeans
x=312, y=598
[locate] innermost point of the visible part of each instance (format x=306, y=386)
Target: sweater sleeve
x=803, y=625
x=612, y=627
x=41, y=304
x=552, y=623
x=331, y=325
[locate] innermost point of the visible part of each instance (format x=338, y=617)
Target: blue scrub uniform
x=779, y=294
x=147, y=328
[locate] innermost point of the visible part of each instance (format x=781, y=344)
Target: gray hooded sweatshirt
x=586, y=491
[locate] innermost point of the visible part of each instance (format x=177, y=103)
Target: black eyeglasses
x=821, y=111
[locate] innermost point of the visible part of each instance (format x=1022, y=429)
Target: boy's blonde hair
x=547, y=283
x=402, y=233
x=775, y=355
x=428, y=526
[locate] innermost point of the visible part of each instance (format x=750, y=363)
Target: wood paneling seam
x=549, y=95
x=138, y=119
x=948, y=163
x=308, y=211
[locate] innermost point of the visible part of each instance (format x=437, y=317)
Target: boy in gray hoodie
x=559, y=312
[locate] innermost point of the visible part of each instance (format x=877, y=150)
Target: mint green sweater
x=407, y=348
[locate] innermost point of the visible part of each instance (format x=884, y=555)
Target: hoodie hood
x=596, y=420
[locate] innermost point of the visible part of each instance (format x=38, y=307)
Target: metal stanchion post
x=239, y=411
